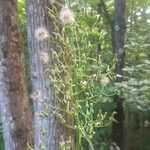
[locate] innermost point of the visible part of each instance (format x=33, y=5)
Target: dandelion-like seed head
x=45, y=57
x=104, y=81
x=41, y=34
x=66, y=15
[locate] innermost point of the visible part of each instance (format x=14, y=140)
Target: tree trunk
x=14, y=103
x=48, y=129
x=119, y=38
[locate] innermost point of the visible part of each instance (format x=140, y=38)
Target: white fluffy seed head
x=66, y=16
x=41, y=34
x=104, y=81
x=45, y=57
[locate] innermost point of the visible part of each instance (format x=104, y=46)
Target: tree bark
x=48, y=129
x=119, y=38
x=14, y=102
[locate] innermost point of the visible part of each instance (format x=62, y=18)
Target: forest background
x=98, y=67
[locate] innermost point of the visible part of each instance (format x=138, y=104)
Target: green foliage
x=83, y=72
x=142, y=144
x=21, y=6
x=1, y=138
x=79, y=76
x=136, y=89
x=22, y=14
x=137, y=81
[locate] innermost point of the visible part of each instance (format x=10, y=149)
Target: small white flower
x=45, y=57
x=41, y=34
x=104, y=81
x=83, y=83
x=66, y=15
x=94, y=76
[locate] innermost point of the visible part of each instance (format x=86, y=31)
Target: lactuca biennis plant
x=79, y=76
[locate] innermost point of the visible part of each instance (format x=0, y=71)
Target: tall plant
x=78, y=74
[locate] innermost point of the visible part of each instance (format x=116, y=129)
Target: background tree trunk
x=119, y=38
x=14, y=103
x=48, y=129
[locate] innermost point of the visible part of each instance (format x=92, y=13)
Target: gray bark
x=48, y=129
x=14, y=104
x=119, y=39
x=119, y=36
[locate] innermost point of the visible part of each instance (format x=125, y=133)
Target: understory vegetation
x=81, y=68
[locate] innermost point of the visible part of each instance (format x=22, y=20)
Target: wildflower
x=45, y=57
x=94, y=76
x=41, y=34
x=83, y=83
x=104, y=81
x=66, y=15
